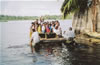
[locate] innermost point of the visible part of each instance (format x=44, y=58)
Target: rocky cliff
x=84, y=23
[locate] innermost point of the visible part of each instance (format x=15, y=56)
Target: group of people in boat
x=47, y=27
x=43, y=27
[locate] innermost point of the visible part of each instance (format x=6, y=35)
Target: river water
x=15, y=50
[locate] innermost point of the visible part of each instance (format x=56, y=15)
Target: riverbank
x=89, y=38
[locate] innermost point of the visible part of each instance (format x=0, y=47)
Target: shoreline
x=87, y=40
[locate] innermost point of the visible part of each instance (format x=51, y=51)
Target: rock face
x=83, y=26
x=83, y=23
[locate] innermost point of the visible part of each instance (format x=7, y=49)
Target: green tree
x=80, y=6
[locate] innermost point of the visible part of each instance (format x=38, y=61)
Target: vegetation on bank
x=7, y=17
x=47, y=17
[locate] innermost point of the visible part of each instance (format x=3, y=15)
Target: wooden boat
x=51, y=37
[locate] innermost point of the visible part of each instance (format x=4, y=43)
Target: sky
x=30, y=7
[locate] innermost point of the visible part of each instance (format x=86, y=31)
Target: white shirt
x=35, y=37
x=69, y=34
x=43, y=28
x=57, y=31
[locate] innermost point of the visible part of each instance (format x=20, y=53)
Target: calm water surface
x=15, y=50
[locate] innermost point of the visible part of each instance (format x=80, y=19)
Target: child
x=50, y=27
x=39, y=28
x=43, y=28
x=47, y=28
x=34, y=39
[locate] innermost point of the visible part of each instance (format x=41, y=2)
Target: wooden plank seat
x=47, y=35
x=51, y=37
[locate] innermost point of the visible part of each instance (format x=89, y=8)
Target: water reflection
x=68, y=55
x=56, y=54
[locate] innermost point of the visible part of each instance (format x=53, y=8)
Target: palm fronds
x=70, y=6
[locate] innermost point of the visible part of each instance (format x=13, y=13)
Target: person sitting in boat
x=53, y=26
x=34, y=39
x=50, y=27
x=70, y=34
x=57, y=29
x=47, y=28
x=43, y=28
x=39, y=28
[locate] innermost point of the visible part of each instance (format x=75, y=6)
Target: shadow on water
x=71, y=54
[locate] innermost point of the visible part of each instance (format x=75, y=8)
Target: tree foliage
x=70, y=6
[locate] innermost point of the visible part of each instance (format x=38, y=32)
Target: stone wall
x=98, y=19
x=83, y=23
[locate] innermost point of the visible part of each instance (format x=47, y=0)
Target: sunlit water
x=15, y=50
